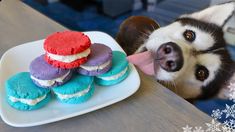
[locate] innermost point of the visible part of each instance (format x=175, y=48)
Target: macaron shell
x=40, y=69
x=100, y=54
x=66, y=79
x=67, y=43
x=22, y=106
x=94, y=72
x=64, y=65
x=119, y=63
x=21, y=86
x=112, y=82
x=81, y=99
x=76, y=84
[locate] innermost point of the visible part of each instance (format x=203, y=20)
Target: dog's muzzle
x=169, y=57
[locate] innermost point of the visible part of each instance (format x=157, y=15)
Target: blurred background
x=107, y=15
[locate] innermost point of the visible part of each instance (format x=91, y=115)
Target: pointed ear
x=217, y=14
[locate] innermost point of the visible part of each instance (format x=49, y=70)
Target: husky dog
x=188, y=56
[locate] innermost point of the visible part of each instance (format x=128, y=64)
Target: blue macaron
x=119, y=71
x=23, y=94
x=79, y=89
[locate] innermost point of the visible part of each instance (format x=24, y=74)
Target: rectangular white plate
x=18, y=59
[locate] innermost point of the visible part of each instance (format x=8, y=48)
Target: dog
x=188, y=56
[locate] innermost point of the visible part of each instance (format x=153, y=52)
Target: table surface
x=152, y=108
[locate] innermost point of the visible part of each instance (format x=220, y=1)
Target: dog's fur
x=138, y=34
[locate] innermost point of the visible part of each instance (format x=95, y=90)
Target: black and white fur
x=208, y=49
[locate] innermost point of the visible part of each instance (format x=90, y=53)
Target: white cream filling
x=69, y=58
x=47, y=83
x=93, y=68
x=114, y=77
x=27, y=101
x=78, y=94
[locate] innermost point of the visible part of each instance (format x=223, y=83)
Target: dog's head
x=190, y=54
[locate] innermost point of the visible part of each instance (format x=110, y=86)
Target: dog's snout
x=170, y=57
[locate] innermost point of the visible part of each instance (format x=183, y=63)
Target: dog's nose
x=170, y=57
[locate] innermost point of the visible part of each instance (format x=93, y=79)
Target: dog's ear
x=134, y=31
x=217, y=14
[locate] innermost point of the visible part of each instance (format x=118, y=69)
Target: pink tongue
x=144, y=61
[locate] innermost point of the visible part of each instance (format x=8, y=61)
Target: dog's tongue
x=144, y=61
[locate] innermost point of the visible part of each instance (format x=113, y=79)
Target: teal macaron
x=119, y=71
x=78, y=90
x=23, y=94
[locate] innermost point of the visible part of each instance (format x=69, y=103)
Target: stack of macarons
x=68, y=69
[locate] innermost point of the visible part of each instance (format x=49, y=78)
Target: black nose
x=169, y=56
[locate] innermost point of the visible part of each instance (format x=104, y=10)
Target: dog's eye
x=189, y=35
x=201, y=73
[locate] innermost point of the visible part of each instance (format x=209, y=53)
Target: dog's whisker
x=142, y=39
x=153, y=27
x=212, y=51
x=174, y=85
x=148, y=31
x=157, y=59
x=144, y=33
x=169, y=84
x=143, y=36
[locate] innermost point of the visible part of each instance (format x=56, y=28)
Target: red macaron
x=67, y=49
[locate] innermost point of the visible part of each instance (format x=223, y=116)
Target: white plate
x=18, y=59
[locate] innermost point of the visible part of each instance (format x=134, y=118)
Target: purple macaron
x=45, y=75
x=99, y=61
